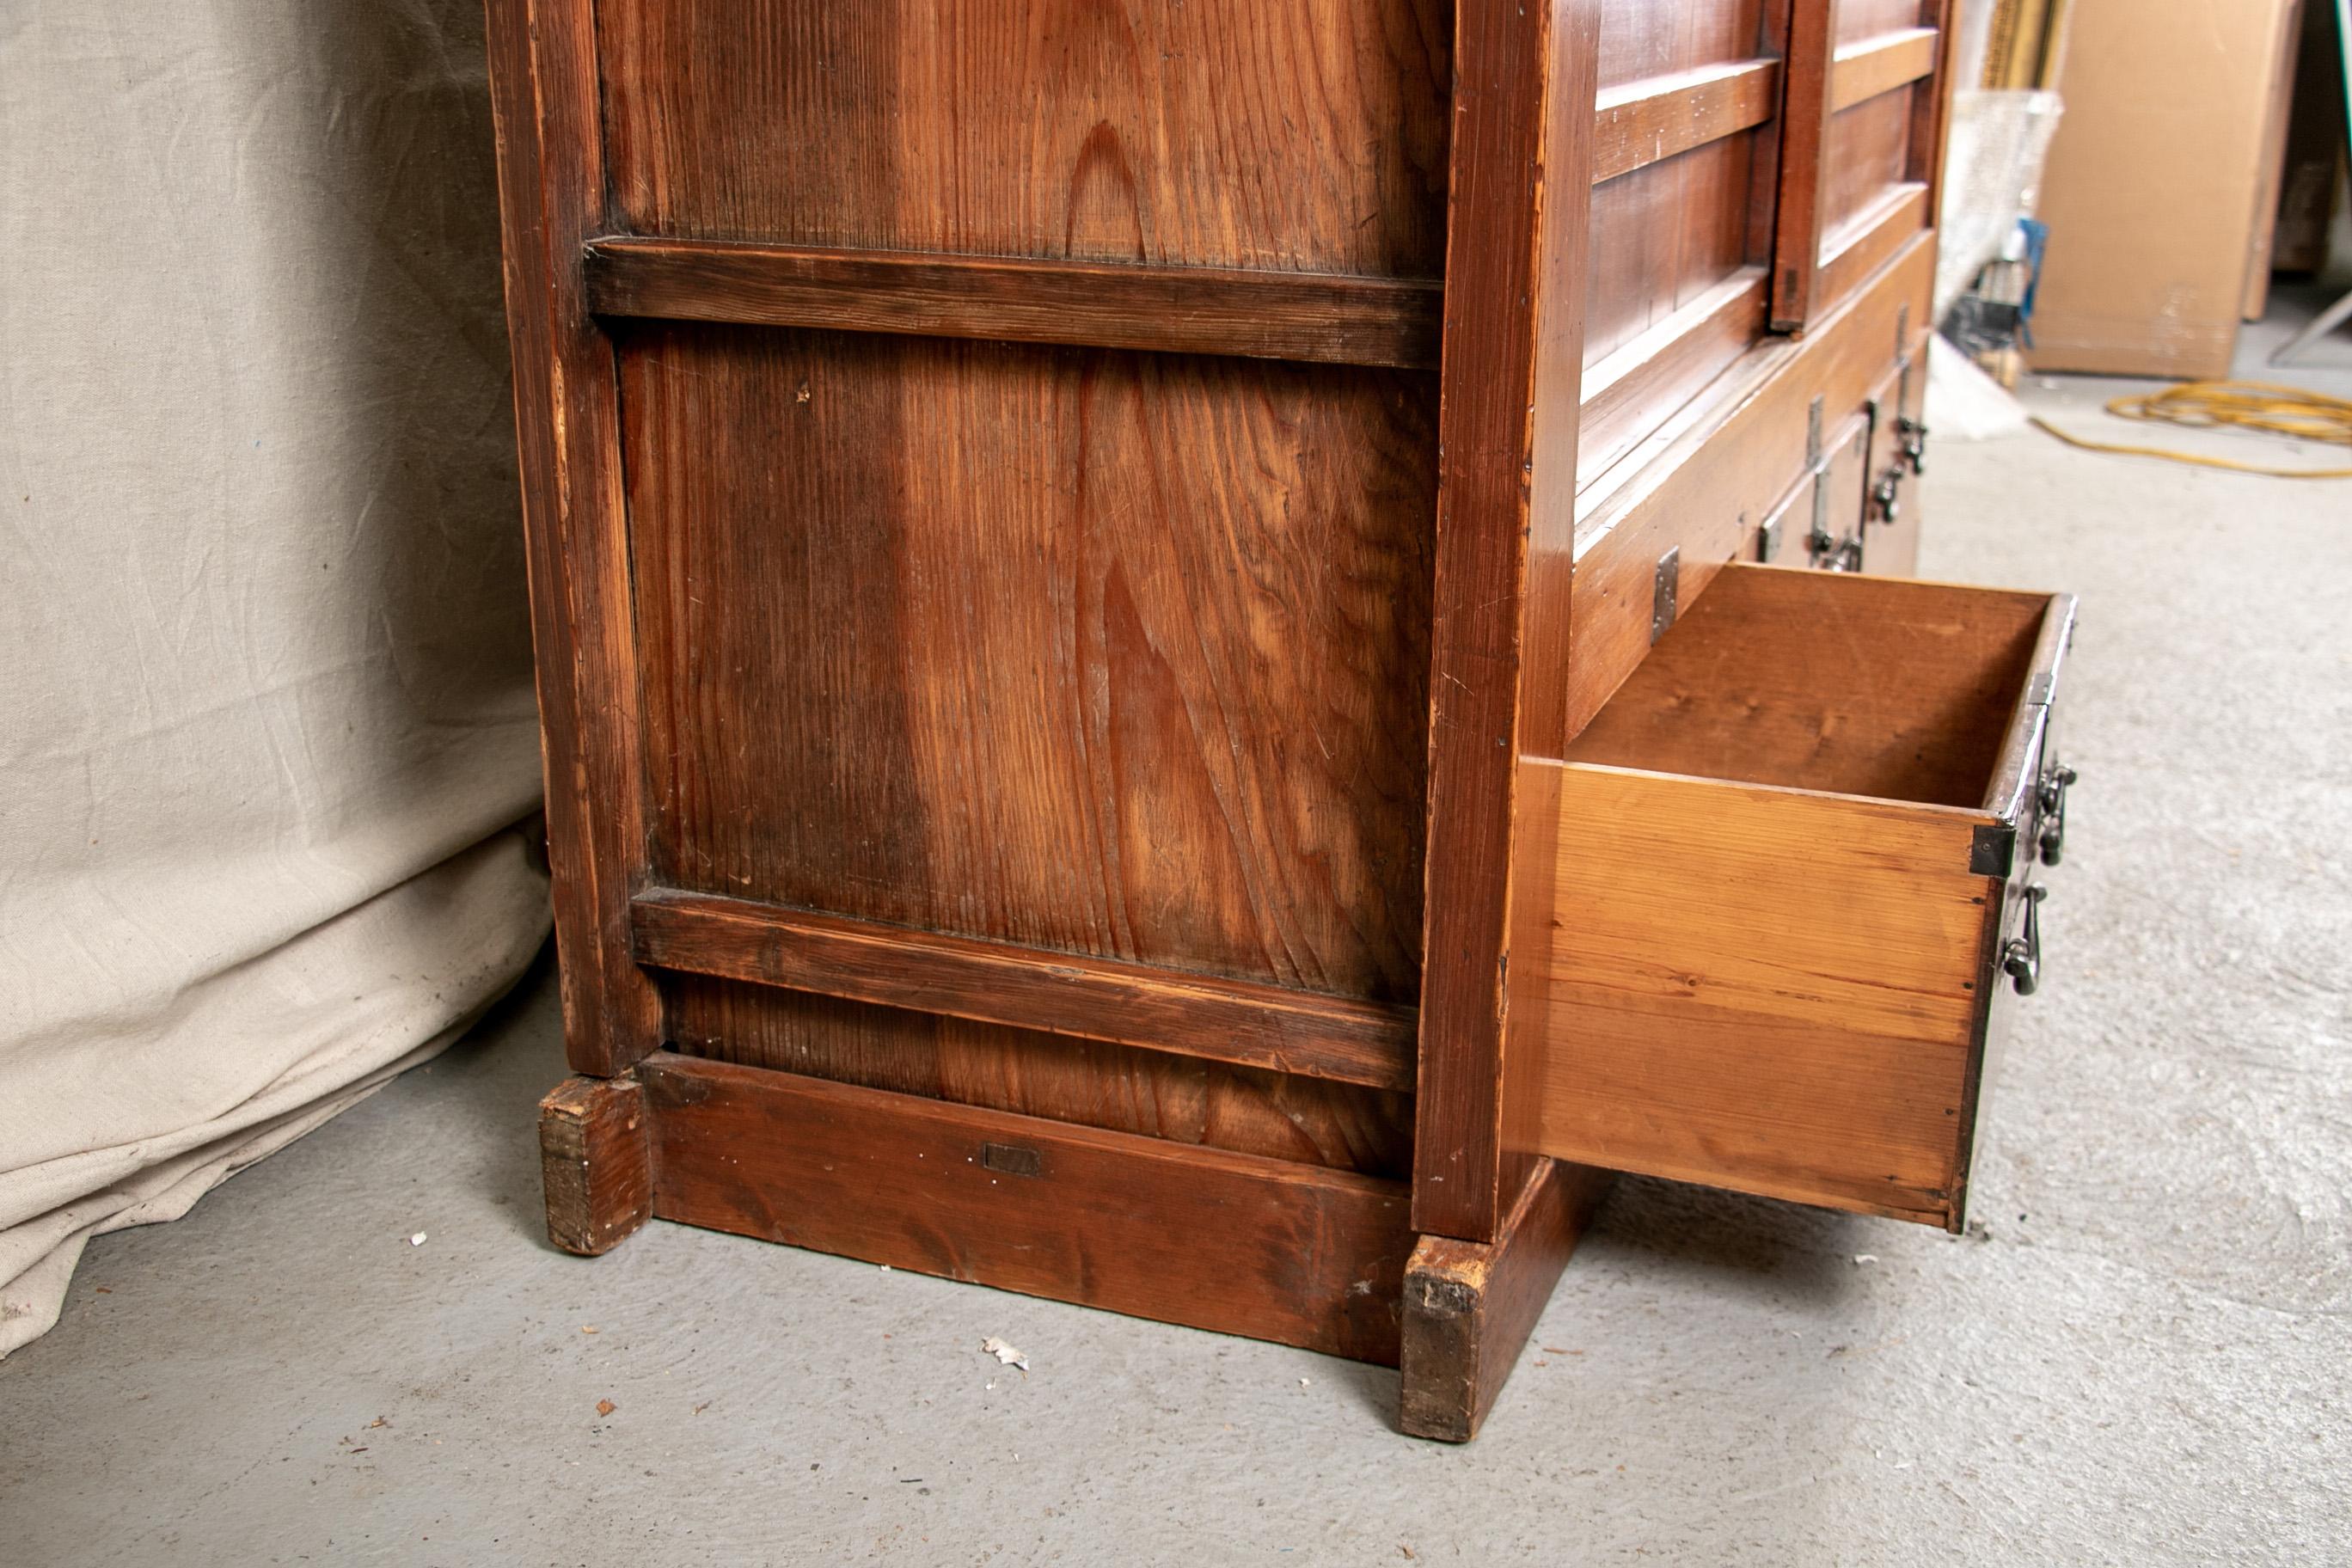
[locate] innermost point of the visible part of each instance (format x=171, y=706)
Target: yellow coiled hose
x=2232, y=406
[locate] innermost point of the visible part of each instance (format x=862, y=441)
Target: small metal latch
x=1667, y=589
x=1767, y=539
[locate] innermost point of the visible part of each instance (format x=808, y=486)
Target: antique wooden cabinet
x=1201, y=656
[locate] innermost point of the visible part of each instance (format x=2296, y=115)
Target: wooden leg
x=1469, y=1306
x=595, y=1151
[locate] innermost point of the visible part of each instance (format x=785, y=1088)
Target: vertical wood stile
x=1809, y=41
x=551, y=198
x=1519, y=197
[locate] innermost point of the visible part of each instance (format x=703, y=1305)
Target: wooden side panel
x=1224, y=1242
x=1112, y=654
x=551, y=198
x=1294, y=135
x=1093, y=1083
x=1762, y=989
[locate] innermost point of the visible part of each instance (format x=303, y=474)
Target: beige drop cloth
x=266, y=711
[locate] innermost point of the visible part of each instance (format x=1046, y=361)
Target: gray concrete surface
x=2144, y=1362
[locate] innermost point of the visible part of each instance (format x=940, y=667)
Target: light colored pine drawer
x=1794, y=872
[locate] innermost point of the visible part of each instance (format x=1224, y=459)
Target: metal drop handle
x=1888, y=494
x=2051, y=794
x=2020, y=956
x=1914, y=442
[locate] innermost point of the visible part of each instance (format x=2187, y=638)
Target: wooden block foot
x=595, y=1150
x=1469, y=1306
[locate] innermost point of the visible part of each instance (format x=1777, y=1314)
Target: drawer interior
x=1851, y=685
x=1767, y=892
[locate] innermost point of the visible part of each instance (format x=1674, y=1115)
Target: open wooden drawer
x=1789, y=882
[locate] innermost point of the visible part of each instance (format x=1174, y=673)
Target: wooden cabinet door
x=1860, y=148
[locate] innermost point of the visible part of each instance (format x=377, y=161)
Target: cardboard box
x=2161, y=183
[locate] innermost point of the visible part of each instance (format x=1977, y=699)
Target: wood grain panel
x=1060, y=1078
x=1175, y=309
x=1768, y=990
x=1639, y=38
x=1868, y=152
x=1860, y=19
x=550, y=194
x=1654, y=118
x=1663, y=236
x=1305, y=135
x=1159, y=1009
x=1107, y=654
x=1220, y=1241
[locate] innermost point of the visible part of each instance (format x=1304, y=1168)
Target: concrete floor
x=2144, y=1360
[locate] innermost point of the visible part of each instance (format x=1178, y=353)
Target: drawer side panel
x=1761, y=989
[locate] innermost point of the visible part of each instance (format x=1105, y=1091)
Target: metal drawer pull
x=2052, y=796
x=1914, y=442
x=2020, y=956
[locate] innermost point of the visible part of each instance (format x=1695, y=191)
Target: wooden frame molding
x=1312, y=317
x=1236, y=1244
x=1865, y=67
x=1642, y=123
x=1243, y=1022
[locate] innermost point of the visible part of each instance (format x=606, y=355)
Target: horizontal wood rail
x=1246, y=1023
x=1863, y=244
x=1643, y=121
x=1318, y=318
x=1865, y=67
x=1629, y=392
